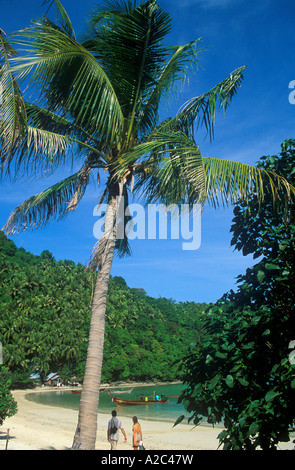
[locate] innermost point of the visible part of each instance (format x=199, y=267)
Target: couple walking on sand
x=115, y=424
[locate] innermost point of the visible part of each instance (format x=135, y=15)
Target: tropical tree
x=97, y=102
x=242, y=373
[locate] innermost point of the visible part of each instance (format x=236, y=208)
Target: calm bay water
x=163, y=412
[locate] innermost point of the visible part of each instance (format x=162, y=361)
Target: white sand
x=41, y=427
x=37, y=426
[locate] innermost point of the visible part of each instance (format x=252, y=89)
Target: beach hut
x=53, y=380
x=74, y=381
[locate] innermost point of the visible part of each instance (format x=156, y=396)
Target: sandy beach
x=40, y=427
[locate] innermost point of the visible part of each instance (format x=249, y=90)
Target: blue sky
x=259, y=34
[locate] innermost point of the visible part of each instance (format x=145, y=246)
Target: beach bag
x=113, y=428
x=141, y=446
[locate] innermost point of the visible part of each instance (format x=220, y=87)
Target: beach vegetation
x=8, y=405
x=242, y=374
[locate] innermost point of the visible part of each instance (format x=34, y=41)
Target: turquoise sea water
x=161, y=412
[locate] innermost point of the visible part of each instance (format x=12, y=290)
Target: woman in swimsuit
x=137, y=434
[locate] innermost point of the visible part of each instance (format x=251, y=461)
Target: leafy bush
x=243, y=373
x=8, y=406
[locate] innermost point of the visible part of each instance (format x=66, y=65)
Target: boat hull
x=122, y=402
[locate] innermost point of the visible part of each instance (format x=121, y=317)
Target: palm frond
x=39, y=151
x=127, y=42
x=71, y=81
x=12, y=109
x=202, y=109
x=228, y=182
x=41, y=118
x=157, y=144
x=53, y=203
x=183, y=60
x=168, y=169
x=42, y=151
x=66, y=24
x=51, y=123
x=110, y=6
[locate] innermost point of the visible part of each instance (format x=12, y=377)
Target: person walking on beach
x=137, y=433
x=114, y=425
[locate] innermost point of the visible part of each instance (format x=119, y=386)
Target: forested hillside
x=45, y=308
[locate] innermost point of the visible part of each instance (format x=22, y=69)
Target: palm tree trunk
x=85, y=435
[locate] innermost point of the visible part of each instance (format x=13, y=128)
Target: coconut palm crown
x=97, y=102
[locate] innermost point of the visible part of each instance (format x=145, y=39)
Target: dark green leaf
x=179, y=420
x=260, y=275
x=271, y=395
x=271, y=266
x=229, y=381
x=253, y=429
x=214, y=382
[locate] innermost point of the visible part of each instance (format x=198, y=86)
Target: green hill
x=45, y=308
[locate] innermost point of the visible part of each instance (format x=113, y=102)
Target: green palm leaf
x=39, y=151
x=170, y=74
x=127, y=42
x=12, y=110
x=170, y=169
x=71, y=81
x=44, y=150
x=53, y=203
x=42, y=118
x=202, y=109
x=47, y=121
x=66, y=23
x=229, y=181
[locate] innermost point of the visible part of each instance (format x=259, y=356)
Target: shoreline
x=45, y=427
x=121, y=410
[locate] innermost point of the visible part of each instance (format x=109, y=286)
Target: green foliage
x=243, y=373
x=146, y=337
x=45, y=310
x=8, y=406
x=38, y=297
x=241, y=376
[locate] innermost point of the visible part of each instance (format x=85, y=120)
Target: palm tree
x=97, y=102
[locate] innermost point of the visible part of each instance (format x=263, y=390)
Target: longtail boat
x=143, y=401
